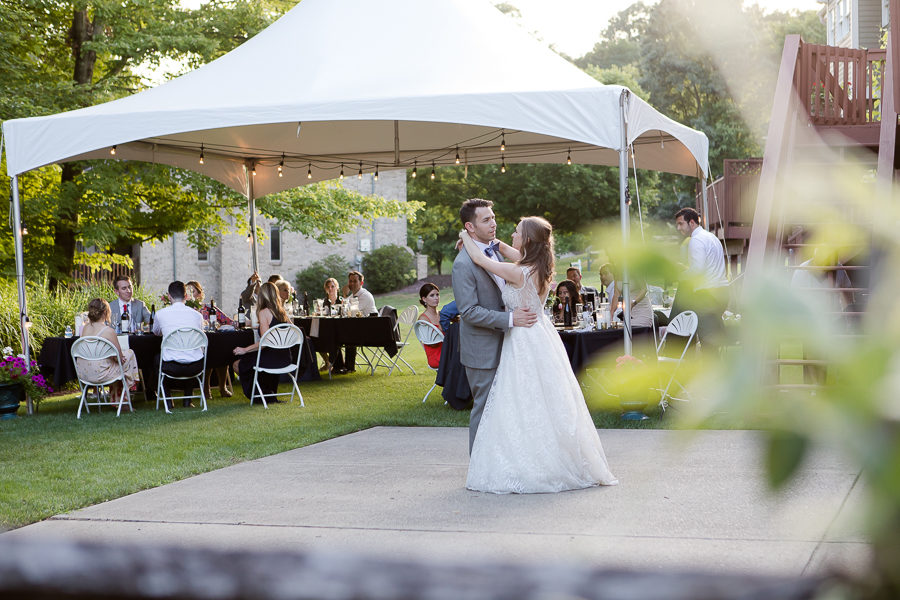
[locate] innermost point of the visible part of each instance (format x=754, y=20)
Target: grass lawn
x=53, y=463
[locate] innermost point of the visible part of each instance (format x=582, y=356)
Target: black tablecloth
x=335, y=332
x=584, y=346
x=451, y=375
x=55, y=358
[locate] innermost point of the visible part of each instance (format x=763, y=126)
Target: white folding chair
x=407, y=317
x=683, y=326
x=428, y=334
x=280, y=337
x=97, y=348
x=182, y=339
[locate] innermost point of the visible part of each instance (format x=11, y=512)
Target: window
x=202, y=255
x=275, y=243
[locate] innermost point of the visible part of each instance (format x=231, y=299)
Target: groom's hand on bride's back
x=522, y=317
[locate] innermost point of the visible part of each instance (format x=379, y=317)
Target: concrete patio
x=694, y=500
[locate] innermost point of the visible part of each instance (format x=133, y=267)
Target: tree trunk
x=64, y=237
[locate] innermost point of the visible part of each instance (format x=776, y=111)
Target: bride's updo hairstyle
x=537, y=249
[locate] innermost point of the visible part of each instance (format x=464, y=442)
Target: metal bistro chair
x=97, y=348
x=428, y=334
x=684, y=326
x=183, y=339
x=280, y=337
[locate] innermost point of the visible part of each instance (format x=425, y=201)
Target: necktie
x=492, y=250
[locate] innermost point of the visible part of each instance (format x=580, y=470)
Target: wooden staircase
x=833, y=131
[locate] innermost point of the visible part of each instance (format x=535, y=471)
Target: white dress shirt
x=366, y=301
x=706, y=260
x=173, y=317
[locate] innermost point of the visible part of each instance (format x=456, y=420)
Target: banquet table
x=55, y=358
x=329, y=334
x=583, y=346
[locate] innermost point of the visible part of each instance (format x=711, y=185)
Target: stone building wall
x=224, y=274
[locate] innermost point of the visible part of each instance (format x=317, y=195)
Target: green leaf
x=784, y=453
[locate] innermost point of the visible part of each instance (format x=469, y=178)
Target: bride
x=536, y=434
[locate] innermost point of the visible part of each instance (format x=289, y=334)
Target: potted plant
x=15, y=383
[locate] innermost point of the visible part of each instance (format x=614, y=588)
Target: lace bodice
x=525, y=297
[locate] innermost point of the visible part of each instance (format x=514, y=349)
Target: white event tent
x=356, y=85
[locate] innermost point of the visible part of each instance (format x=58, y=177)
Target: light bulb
x=457, y=155
x=503, y=142
x=342, y=171
x=415, y=170
x=432, y=170
x=376, y=171
x=201, y=154
x=281, y=167
x=27, y=323
x=503, y=167
x=569, y=158
x=253, y=171
x=309, y=171
x=24, y=230
x=113, y=150
x=359, y=175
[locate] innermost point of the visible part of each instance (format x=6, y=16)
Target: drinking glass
x=320, y=306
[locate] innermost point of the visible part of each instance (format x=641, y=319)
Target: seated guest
x=449, y=314
x=608, y=281
x=181, y=363
x=573, y=274
x=284, y=293
x=566, y=294
x=430, y=297
x=194, y=291
x=248, y=296
x=270, y=313
x=95, y=370
x=333, y=361
x=641, y=308
x=137, y=310
x=366, y=307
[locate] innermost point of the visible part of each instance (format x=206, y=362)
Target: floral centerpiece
x=13, y=374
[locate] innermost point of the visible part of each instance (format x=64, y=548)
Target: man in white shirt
x=704, y=286
x=181, y=363
x=366, y=307
x=137, y=310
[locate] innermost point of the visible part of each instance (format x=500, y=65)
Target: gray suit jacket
x=137, y=310
x=483, y=319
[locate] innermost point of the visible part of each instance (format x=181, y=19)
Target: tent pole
x=251, y=204
x=623, y=211
x=704, y=193
x=20, y=280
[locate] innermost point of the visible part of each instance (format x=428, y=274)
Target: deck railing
x=840, y=86
x=732, y=198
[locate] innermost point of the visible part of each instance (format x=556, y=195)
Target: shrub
x=312, y=278
x=388, y=268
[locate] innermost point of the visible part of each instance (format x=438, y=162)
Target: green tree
x=59, y=55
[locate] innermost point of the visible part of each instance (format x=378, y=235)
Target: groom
x=483, y=319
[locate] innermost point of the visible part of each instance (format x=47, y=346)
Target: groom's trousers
x=480, y=381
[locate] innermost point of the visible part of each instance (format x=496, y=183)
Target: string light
x=503, y=142
x=253, y=171
x=309, y=171
x=359, y=175
x=376, y=171
x=27, y=322
x=113, y=150
x=201, y=154
x=432, y=170
x=342, y=171
x=503, y=166
x=24, y=230
x=249, y=239
x=281, y=166
x=457, y=155
x=569, y=157
x=415, y=169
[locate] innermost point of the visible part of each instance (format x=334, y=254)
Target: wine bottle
x=306, y=303
x=213, y=317
x=242, y=314
x=567, y=314
x=152, y=315
x=295, y=304
x=126, y=321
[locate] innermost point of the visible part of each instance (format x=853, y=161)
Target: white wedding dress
x=536, y=434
